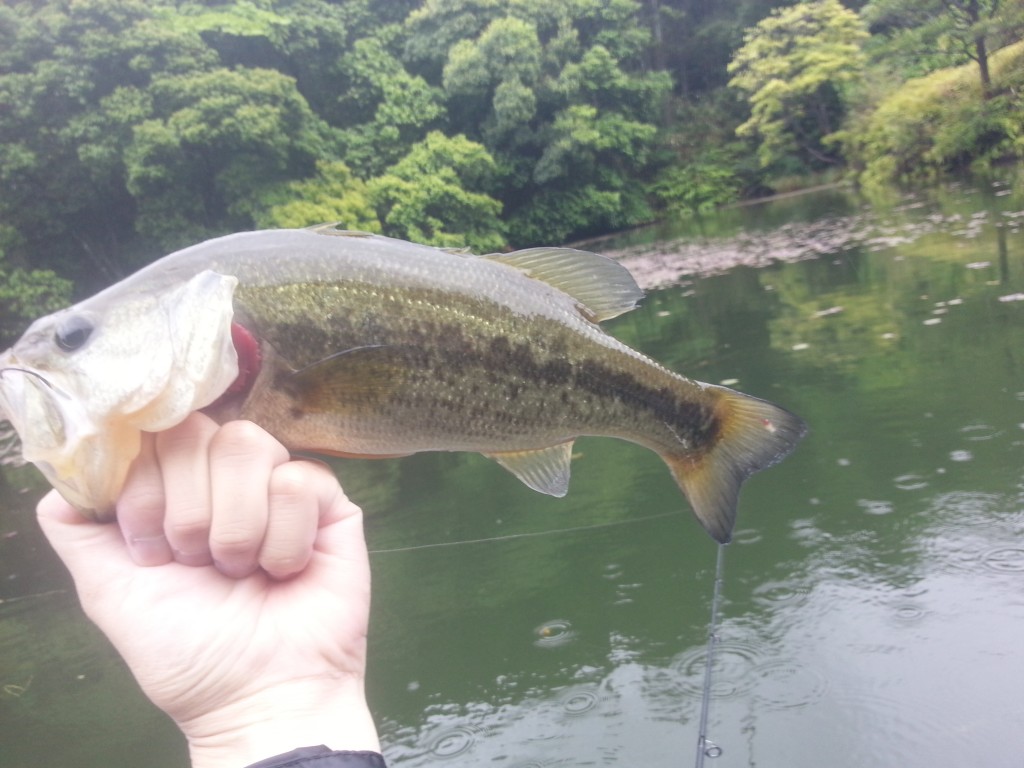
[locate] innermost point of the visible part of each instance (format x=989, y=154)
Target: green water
x=873, y=603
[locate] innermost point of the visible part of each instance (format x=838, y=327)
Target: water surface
x=874, y=595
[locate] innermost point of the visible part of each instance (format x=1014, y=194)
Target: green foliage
x=559, y=215
x=215, y=138
x=792, y=66
x=71, y=73
x=558, y=93
x=25, y=294
x=434, y=195
x=919, y=36
x=392, y=108
x=581, y=137
x=239, y=19
x=133, y=126
x=333, y=195
x=699, y=186
x=137, y=128
x=942, y=122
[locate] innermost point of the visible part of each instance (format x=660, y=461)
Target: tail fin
x=754, y=434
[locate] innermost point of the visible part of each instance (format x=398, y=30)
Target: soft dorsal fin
x=604, y=287
x=545, y=469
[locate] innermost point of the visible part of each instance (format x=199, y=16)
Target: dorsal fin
x=332, y=228
x=604, y=287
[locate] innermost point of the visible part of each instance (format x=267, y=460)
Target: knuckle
x=282, y=562
x=187, y=525
x=185, y=436
x=239, y=438
x=239, y=538
x=291, y=480
x=141, y=500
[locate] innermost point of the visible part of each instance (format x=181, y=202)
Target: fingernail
x=192, y=558
x=234, y=570
x=149, y=550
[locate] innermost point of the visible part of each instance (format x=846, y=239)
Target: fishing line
x=705, y=747
x=27, y=372
x=533, y=534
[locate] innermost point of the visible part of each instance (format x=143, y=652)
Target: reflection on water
x=872, y=609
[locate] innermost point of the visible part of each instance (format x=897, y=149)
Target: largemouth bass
x=360, y=345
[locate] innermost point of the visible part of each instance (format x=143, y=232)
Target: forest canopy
x=132, y=127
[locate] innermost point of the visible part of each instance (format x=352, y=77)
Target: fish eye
x=72, y=333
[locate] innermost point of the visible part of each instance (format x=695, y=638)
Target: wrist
x=301, y=714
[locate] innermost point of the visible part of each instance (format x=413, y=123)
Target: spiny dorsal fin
x=332, y=229
x=603, y=286
x=545, y=470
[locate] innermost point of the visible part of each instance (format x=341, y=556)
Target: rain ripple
x=731, y=670
x=968, y=526
x=579, y=701
x=1003, y=559
x=910, y=482
x=788, y=684
x=739, y=669
x=454, y=741
x=875, y=506
x=979, y=432
x=775, y=593
x=554, y=634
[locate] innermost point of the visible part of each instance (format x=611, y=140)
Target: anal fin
x=544, y=469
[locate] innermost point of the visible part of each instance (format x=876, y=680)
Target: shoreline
x=784, y=195
x=587, y=242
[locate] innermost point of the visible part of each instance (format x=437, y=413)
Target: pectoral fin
x=545, y=470
x=358, y=377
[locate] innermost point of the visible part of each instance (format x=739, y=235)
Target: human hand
x=264, y=651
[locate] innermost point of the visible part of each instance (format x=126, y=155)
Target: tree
x=436, y=195
x=946, y=32
x=388, y=109
x=941, y=122
x=793, y=67
x=74, y=75
x=216, y=139
x=561, y=95
x=333, y=195
x=26, y=293
x=133, y=132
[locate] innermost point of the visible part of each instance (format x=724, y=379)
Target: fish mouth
x=30, y=372
x=12, y=397
x=35, y=406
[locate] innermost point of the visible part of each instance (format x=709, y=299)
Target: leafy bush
x=334, y=195
x=698, y=186
x=434, y=195
x=26, y=294
x=942, y=122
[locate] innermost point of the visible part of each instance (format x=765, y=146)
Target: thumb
x=94, y=553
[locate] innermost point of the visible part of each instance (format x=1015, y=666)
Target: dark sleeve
x=322, y=757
